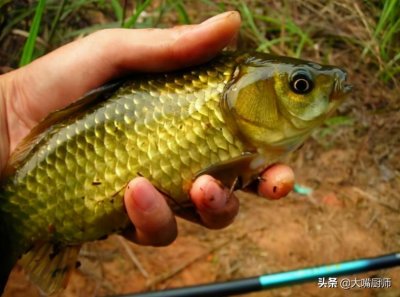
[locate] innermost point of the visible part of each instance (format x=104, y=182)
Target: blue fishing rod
x=280, y=279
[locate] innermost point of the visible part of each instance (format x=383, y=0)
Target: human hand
x=52, y=82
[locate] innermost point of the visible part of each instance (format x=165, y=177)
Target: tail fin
x=50, y=265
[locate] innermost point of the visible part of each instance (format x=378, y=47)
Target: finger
x=276, y=182
x=65, y=74
x=147, y=209
x=215, y=205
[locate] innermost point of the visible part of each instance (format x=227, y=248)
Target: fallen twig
x=169, y=274
x=132, y=256
x=374, y=199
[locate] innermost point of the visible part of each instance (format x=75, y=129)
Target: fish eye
x=301, y=82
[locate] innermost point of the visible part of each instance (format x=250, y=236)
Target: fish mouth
x=347, y=88
x=341, y=87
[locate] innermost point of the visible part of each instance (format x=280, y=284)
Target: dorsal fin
x=44, y=127
x=49, y=265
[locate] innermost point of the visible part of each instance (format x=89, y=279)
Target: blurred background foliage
x=294, y=28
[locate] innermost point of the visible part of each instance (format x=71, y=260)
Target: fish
x=230, y=118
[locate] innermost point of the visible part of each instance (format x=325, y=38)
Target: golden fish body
x=230, y=118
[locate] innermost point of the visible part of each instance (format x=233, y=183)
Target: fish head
x=273, y=103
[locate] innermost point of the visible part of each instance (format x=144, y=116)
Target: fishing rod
x=280, y=279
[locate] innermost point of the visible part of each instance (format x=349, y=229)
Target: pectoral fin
x=235, y=173
x=50, y=265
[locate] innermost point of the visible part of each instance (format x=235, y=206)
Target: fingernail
x=215, y=197
x=220, y=17
x=143, y=194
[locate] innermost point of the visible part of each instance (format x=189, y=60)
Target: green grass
x=27, y=53
x=118, y=11
x=387, y=33
x=385, y=39
x=183, y=16
x=291, y=37
x=56, y=20
x=276, y=26
x=131, y=22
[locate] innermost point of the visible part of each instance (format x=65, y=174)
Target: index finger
x=58, y=78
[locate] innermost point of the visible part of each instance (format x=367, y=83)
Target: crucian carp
x=230, y=118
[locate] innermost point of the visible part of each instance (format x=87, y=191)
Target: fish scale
x=159, y=133
x=229, y=118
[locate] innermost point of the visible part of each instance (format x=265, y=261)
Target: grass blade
x=56, y=20
x=118, y=11
x=248, y=19
x=133, y=19
x=33, y=32
x=182, y=14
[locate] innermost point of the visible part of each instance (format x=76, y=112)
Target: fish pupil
x=301, y=83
